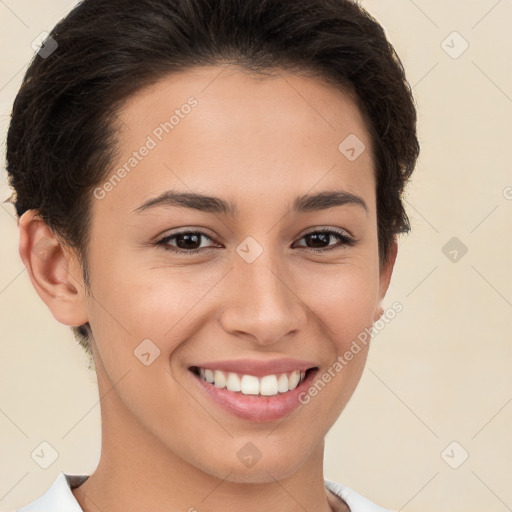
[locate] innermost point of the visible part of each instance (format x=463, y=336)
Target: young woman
x=209, y=193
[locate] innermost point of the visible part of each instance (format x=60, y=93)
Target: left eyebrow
x=327, y=199
x=210, y=204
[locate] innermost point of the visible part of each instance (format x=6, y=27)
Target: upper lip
x=258, y=367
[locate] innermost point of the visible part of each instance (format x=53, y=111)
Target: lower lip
x=257, y=408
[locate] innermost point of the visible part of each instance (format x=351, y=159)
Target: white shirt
x=59, y=498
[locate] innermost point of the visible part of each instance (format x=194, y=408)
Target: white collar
x=355, y=502
x=58, y=498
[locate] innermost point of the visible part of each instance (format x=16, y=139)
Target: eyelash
x=345, y=239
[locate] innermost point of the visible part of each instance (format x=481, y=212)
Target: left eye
x=187, y=241
x=321, y=236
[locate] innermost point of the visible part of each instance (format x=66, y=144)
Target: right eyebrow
x=196, y=201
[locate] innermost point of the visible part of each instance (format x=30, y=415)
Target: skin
x=259, y=142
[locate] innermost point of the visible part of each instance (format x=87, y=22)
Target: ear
x=386, y=271
x=54, y=270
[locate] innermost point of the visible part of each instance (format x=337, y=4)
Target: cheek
x=147, y=303
x=343, y=303
x=344, y=300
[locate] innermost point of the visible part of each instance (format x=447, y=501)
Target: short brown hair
x=62, y=135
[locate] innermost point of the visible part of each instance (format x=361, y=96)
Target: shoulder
x=355, y=501
x=58, y=496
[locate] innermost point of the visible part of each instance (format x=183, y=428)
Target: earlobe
x=385, y=277
x=52, y=268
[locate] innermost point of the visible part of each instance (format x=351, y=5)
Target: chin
x=263, y=474
x=267, y=469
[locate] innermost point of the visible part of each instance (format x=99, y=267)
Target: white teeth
x=282, y=383
x=269, y=385
x=233, y=382
x=250, y=385
x=219, y=379
x=293, y=379
x=208, y=375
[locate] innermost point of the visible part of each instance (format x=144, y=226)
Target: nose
x=262, y=302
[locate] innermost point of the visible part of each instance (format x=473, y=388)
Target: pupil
x=323, y=237
x=188, y=238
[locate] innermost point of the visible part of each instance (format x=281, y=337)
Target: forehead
x=229, y=96
x=226, y=131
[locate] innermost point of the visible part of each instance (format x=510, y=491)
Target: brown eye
x=186, y=242
x=321, y=238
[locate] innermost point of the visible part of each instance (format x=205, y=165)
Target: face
x=264, y=273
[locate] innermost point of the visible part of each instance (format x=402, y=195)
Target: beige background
x=439, y=372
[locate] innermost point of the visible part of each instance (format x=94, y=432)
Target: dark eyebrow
x=199, y=202
x=209, y=204
x=327, y=199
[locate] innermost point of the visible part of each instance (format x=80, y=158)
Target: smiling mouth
x=246, y=384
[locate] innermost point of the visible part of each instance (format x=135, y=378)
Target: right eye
x=186, y=242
